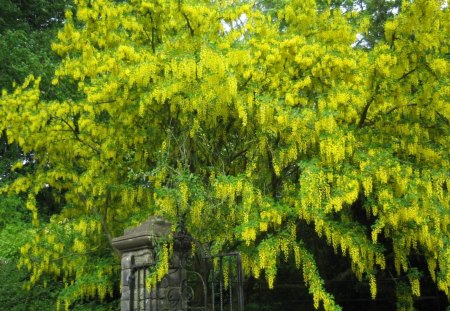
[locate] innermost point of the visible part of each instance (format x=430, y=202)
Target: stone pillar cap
x=143, y=235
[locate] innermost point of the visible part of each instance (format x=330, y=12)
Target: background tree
x=26, y=31
x=251, y=134
x=373, y=13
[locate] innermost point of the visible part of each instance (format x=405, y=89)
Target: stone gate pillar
x=137, y=248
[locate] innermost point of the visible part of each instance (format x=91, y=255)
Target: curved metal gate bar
x=225, y=285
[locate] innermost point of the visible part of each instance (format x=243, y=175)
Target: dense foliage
x=249, y=125
x=26, y=30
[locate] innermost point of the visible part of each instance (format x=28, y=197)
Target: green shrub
x=14, y=298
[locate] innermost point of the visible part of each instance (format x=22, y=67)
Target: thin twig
x=78, y=138
x=398, y=107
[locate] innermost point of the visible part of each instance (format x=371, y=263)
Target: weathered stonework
x=138, y=245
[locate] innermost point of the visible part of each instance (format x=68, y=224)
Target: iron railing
x=218, y=285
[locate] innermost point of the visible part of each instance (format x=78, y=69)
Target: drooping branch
x=343, y=275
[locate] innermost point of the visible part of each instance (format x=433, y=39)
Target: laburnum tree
x=247, y=124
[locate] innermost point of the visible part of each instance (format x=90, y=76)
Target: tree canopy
x=248, y=125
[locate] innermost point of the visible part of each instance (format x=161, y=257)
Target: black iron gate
x=208, y=283
x=226, y=283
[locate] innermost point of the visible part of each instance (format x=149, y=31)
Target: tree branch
x=109, y=101
x=237, y=155
x=78, y=138
x=191, y=30
x=407, y=74
x=153, y=34
x=398, y=107
x=443, y=117
x=367, y=106
x=106, y=231
x=364, y=112
x=245, y=82
x=348, y=272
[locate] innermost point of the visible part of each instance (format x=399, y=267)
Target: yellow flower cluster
x=275, y=125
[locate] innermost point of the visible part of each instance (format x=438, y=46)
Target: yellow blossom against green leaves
x=248, y=124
